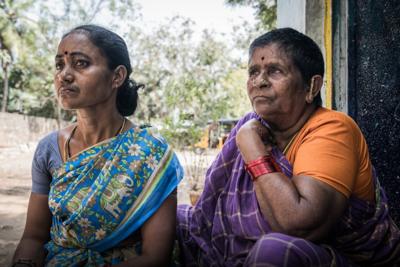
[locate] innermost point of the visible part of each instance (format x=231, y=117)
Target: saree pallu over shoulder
x=226, y=222
x=105, y=193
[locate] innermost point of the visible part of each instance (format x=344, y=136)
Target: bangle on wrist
x=260, y=166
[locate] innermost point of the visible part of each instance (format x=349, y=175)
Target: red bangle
x=263, y=165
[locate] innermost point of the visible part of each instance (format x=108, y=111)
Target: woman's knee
x=276, y=249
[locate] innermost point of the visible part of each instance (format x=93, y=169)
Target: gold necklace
x=67, y=153
x=288, y=144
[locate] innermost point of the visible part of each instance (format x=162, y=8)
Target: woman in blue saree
x=103, y=190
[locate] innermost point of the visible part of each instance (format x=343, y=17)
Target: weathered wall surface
x=291, y=13
x=16, y=129
x=376, y=101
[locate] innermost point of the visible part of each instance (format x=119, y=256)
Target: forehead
x=78, y=42
x=270, y=53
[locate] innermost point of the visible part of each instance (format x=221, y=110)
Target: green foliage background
x=189, y=80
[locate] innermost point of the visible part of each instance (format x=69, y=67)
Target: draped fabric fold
x=105, y=193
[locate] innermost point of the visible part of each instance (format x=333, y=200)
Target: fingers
x=265, y=133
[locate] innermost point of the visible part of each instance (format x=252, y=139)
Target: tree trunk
x=5, y=88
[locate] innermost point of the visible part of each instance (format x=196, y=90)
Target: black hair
x=114, y=49
x=301, y=49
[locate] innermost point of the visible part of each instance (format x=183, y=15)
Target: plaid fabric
x=226, y=227
x=367, y=234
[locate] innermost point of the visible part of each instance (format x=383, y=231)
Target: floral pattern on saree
x=105, y=193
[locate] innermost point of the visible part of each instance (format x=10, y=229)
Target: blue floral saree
x=105, y=193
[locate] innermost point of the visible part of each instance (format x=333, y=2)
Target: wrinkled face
x=274, y=86
x=82, y=78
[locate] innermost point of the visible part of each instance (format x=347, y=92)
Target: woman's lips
x=261, y=98
x=68, y=91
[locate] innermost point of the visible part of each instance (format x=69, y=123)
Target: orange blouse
x=331, y=148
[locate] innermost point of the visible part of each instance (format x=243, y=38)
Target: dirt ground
x=15, y=185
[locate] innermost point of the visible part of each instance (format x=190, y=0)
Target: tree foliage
x=265, y=11
x=14, y=27
x=189, y=79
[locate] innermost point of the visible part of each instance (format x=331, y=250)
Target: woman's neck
x=96, y=126
x=283, y=136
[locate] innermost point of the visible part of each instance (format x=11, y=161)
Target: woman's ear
x=315, y=87
x=119, y=76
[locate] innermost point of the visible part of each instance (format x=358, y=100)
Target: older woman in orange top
x=293, y=184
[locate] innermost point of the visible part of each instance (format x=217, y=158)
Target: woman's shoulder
x=51, y=140
x=48, y=142
x=323, y=116
x=65, y=132
x=47, y=152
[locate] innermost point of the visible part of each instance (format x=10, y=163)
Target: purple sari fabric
x=226, y=227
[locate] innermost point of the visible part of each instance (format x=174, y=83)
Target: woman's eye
x=59, y=66
x=81, y=63
x=253, y=72
x=273, y=71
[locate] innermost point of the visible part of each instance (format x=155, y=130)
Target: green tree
x=13, y=27
x=265, y=11
x=189, y=79
x=29, y=33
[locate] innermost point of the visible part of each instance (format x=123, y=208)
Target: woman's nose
x=260, y=81
x=66, y=75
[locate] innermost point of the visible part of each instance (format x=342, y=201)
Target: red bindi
x=262, y=58
x=66, y=53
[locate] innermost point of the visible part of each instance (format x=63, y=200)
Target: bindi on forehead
x=66, y=53
x=262, y=58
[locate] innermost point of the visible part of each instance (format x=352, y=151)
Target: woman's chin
x=67, y=106
x=263, y=112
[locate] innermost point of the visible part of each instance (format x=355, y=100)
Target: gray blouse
x=46, y=159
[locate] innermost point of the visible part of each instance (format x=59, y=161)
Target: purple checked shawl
x=226, y=222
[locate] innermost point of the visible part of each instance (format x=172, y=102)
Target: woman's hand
x=254, y=140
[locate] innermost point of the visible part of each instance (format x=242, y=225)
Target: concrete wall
x=16, y=129
x=375, y=86
x=306, y=16
x=341, y=53
x=292, y=13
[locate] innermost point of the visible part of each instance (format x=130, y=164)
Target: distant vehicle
x=215, y=134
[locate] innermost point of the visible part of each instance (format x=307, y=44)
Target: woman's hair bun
x=127, y=97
